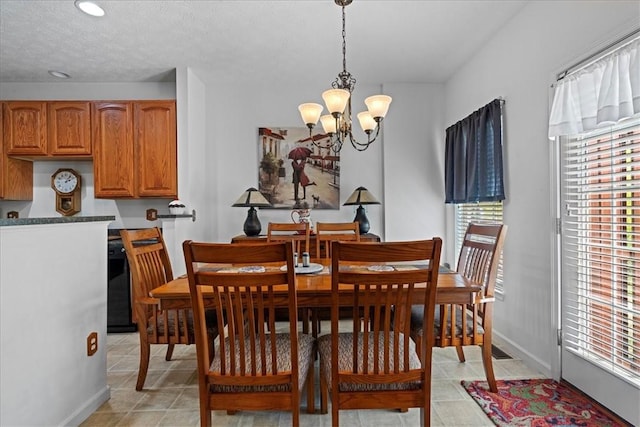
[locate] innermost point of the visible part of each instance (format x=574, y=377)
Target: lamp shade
x=252, y=198
x=310, y=113
x=336, y=100
x=361, y=196
x=328, y=123
x=378, y=105
x=367, y=123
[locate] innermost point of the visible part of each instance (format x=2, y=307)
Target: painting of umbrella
x=295, y=167
x=299, y=153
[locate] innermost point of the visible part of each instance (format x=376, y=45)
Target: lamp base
x=252, y=226
x=362, y=219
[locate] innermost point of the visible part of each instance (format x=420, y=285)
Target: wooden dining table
x=314, y=290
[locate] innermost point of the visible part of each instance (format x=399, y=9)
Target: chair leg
x=167, y=357
x=460, y=353
x=487, y=361
x=145, y=350
x=323, y=392
x=304, y=315
x=335, y=415
x=311, y=399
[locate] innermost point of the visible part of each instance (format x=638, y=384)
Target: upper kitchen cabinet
x=37, y=129
x=16, y=176
x=25, y=128
x=113, y=149
x=135, y=149
x=155, y=125
x=69, y=125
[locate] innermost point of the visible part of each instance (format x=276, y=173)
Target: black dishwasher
x=119, y=309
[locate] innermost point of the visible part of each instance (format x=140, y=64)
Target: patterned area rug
x=539, y=402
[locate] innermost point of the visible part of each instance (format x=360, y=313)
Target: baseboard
x=88, y=408
x=518, y=352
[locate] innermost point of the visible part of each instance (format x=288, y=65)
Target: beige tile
x=170, y=396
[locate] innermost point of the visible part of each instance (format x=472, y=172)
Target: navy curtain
x=473, y=157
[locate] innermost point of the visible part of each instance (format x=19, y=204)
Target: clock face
x=65, y=181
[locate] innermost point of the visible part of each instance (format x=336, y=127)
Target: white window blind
x=482, y=212
x=601, y=245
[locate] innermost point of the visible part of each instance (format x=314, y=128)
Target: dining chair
x=300, y=234
x=150, y=267
x=297, y=232
x=478, y=260
x=376, y=364
x=327, y=232
x=255, y=367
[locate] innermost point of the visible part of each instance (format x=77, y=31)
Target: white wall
x=519, y=64
x=53, y=292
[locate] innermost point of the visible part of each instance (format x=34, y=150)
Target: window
x=601, y=242
x=478, y=212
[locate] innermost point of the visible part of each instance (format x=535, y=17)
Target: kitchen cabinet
x=35, y=129
x=69, y=128
x=155, y=148
x=135, y=149
x=16, y=176
x=113, y=149
x=25, y=128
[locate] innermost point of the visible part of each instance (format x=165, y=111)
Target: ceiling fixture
x=89, y=7
x=337, y=124
x=59, y=74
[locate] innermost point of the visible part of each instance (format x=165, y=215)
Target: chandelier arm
x=363, y=146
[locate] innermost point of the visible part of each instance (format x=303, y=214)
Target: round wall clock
x=66, y=183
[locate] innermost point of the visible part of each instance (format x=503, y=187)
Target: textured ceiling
x=145, y=40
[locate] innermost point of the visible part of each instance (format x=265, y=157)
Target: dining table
x=313, y=288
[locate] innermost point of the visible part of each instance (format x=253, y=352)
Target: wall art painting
x=295, y=168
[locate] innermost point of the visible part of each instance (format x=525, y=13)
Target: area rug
x=539, y=402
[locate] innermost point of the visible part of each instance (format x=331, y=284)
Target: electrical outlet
x=92, y=343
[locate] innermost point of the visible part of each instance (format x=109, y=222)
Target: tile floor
x=170, y=396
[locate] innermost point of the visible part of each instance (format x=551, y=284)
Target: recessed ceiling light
x=59, y=74
x=89, y=7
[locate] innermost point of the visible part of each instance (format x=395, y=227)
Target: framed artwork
x=295, y=168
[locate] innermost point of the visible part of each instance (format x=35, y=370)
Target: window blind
x=482, y=212
x=601, y=245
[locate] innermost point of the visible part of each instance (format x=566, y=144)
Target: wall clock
x=66, y=183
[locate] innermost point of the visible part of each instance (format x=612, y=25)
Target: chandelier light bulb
x=378, y=105
x=310, y=113
x=336, y=100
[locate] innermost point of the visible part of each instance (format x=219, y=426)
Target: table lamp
x=361, y=196
x=252, y=199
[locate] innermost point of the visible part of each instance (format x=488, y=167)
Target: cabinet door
x=16, y=176
x=25, y=127
x=113, y=171
x=69, y=126
x=156, y=158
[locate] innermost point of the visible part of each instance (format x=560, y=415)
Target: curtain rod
x=597, y=55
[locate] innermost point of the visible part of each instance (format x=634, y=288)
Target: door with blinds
x=600, y=280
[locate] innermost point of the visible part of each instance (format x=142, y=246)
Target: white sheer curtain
x=600, y=94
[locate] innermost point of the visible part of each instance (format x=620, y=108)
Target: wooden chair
x=150, y=268
x=376, y=365
x=297, y=232
x=327, y=232
x=253, y=368
x=478, y=261
x=300, y=234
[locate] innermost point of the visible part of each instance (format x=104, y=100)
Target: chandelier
x=337, y=124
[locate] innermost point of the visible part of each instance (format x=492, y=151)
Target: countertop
x=54, y=220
